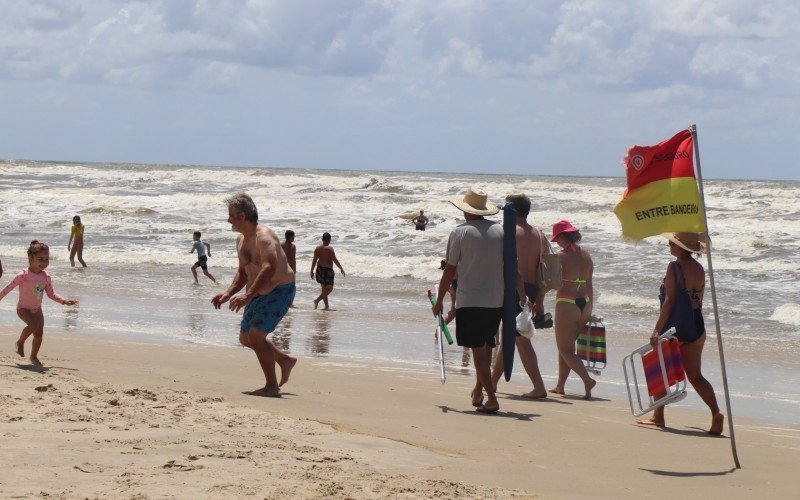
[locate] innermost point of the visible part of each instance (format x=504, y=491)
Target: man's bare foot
x=20, y=348
x=35, y=361
x=589, y=387
x=316, y=303
x=557, y=390
x=651, y=422
x=716, y=424
x=535, y=395
x=266, y=392
x=286, y=369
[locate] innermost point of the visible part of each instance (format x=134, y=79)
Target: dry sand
x=124, y=419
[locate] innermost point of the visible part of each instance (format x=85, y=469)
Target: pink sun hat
x=562, y=226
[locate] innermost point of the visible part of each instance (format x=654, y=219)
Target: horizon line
x=337, y=169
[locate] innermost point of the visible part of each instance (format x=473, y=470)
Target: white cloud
x=731, y=62
x=575, y=43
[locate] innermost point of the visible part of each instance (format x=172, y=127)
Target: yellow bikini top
x=77, y=230
x=577, y=281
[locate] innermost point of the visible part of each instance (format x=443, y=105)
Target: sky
x=531, y=87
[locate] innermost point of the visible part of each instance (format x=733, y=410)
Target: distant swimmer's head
x=443, y=264
x=326, y=237
x=289, y=235
x=521, y=203
x=38, y=256
x=241, y=207
x=196, y=236
x=565, y=234
x=76, y=220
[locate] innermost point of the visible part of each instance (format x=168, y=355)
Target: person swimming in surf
x=420, y=221
x=573, y=304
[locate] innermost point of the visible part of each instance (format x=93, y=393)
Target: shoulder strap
x=541, y=247
x=675, y=275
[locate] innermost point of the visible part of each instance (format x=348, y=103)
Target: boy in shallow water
x=33, y=283
x=200, y=247
x=324, y=259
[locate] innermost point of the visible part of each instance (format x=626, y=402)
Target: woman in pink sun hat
x=573, y=304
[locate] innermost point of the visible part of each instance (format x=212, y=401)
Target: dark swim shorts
x=477, y=326
x=202, y=262
x=265, y=311
x=325, y=275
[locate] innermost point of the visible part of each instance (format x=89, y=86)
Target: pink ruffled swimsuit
x=32, y=287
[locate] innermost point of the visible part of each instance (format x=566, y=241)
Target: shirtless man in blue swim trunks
x=269, y=281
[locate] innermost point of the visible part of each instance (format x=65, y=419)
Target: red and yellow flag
x=662, y=192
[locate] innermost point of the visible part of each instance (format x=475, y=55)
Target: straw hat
x=474, y=203
x=691, y=242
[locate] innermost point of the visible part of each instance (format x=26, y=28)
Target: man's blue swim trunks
x=264, y=312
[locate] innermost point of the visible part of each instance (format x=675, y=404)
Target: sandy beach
x=142, y=420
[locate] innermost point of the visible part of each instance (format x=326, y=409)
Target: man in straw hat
x=475, y=249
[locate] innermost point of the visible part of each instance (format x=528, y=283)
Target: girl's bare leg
x=80, y=254
x=31, y=321
x=35, y=322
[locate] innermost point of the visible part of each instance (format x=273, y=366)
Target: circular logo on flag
x=637, y=161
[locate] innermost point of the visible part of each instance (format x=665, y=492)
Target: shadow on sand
x=517, y=397
x=688, y=474
x=505, y=414
x=39, y=369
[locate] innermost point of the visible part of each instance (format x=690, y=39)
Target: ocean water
x=140, y=218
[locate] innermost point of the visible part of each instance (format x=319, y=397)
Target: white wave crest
x=788, y=314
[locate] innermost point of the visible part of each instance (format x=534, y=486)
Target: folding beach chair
x=592, y=345
x=663, y=373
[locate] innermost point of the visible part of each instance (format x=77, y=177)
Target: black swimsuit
x=688, y=321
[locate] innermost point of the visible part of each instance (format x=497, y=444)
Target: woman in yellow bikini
x=573, y=304
x=76, y=241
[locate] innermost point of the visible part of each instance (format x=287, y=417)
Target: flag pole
x=693, y=130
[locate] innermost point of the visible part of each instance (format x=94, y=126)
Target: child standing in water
x=33, y=283
x=200, y=247
x=76, y=241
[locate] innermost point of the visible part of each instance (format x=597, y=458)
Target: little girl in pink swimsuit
x=33, y=283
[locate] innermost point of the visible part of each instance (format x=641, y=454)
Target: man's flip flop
x=478, y=404
x=486, y=411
